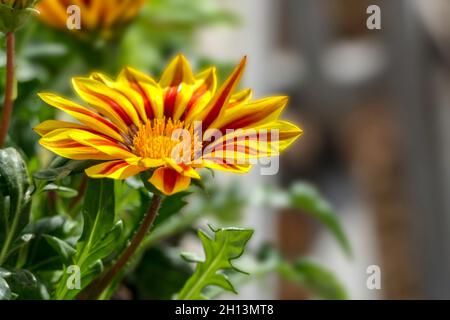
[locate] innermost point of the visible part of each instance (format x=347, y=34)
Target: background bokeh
x=374, y=106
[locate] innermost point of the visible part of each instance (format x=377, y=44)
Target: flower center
x=161, y=138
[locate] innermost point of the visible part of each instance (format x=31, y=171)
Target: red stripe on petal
x=113, y=167
x=224, y=94
x=147, y=103
x=170, y=99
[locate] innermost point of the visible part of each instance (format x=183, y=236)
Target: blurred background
x=374, y=106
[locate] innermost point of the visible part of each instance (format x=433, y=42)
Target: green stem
x=9, y=88
x=144, y=228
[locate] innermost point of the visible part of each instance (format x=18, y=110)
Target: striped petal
x=100, y=143
x=182, y=168
x=217, y=105
x=176, y=100
x=169, y=181
x=63, y=145
x=48, y=126
x=245, y=144
x=239, y=98
x=205, y=89
x=82, y=114
x=118, y=170
x=251, y=115
x=177, y=72
x=135, y=98
x=147, y=88
x=221, y=166
x=107, y=102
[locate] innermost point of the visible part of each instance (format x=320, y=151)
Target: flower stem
x=144, y=228
x=9, y=88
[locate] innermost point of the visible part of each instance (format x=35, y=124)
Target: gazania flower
x=95, y=15
x=172, y=127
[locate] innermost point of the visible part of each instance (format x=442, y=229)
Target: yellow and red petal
x=147, y=88
x=135, y=98
x=169, y=181
x=216, y=107
x=242, y=145
x=82, y=114
x=182, y=168
x=118, y=170
x=48, y=126
x=252, y=114
x=176, y=100
x=217, y=164
x=60, y=143
x=239, y=98
x=288, y=133
x=107, y=102
x=102, y=144
x=177, y=72
x=204, y=90
x=181, y=89
x=145, y=162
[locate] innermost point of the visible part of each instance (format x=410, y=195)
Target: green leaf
x=99, y=236
x=98, y=210
x=306, y=198
x=191, y=257
x=316, y=279
x=109, y=241
x=14, y=198
x=62, y=191
x=163, y=269
x=64, y=250
x=5, y=291
x=228, y=244
x=24, y=285
x=170, y=206
x=62, y=168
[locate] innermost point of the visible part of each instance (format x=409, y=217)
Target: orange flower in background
x=172, y=127
x=95, y=15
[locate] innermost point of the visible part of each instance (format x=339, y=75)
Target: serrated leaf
x=64, y=250
x=306, y=198
x=191, y=257
x=15, y=198
x=228, y=244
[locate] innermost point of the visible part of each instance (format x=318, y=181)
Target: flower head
x=101, y=16
x=171, y=128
